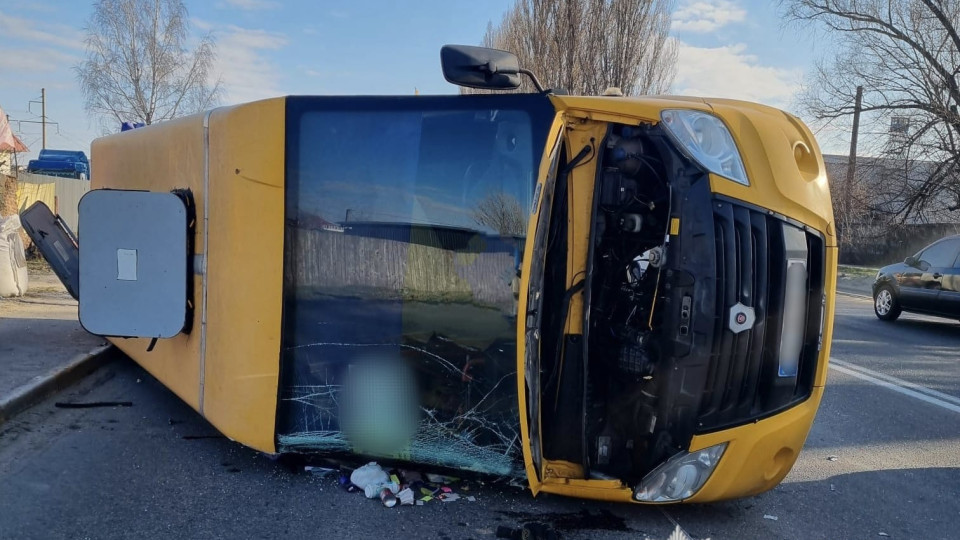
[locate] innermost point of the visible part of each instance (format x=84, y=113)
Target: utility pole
x=846, y=204
x=852, y=162
x=43, y=114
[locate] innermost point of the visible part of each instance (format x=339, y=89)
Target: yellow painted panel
x=674, y=226
x=580, y=188
x=245, y=271
x=758, y=455
x=783, y=163
x=830, y=301
x=533, y=479
x=160, y=158
x=781, y=155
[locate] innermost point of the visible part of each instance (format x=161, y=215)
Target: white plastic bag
x=370, y=478
x=13, y=263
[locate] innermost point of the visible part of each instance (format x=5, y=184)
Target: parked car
x=928, y=282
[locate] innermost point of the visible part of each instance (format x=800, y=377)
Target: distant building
x=883, y=181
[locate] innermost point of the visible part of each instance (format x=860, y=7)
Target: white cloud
x=248, y=5
x=248, y=74
x=34, y=60
x=731, y=72
x=19, y=30
x=702, y=16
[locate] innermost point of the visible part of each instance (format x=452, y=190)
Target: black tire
x=885, y=304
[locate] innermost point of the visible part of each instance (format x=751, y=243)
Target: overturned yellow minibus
x=614, y=297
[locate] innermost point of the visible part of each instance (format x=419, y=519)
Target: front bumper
x=757, y=458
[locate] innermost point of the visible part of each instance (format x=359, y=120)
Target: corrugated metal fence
x=62, y=195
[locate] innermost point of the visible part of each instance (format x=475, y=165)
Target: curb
x=855, y=295
x=43, y=386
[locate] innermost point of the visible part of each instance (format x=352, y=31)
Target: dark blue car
x=928, y=282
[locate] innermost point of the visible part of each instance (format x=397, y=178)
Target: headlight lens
x=680, y=477
x=706, y=140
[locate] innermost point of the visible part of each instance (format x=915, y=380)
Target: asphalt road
x=882, y=461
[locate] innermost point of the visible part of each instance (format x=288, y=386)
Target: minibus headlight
x=680, y=477
x=705, y=139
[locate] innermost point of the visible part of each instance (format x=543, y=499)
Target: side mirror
x=910, y=261
x=479, y=67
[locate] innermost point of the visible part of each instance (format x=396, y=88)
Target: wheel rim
x=884, y=302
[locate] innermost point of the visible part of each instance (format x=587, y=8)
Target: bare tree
x=586, y=46
x=906, y=55
x=138, y=68
x=502, y=213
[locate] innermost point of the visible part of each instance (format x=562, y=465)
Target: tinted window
x=406, y=219
x=942, y=254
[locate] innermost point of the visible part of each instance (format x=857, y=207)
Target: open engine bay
x=616, y=308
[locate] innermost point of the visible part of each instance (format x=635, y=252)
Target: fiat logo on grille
x=741, y=318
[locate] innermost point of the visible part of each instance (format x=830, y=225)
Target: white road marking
x=891, y=379
x=906, y=388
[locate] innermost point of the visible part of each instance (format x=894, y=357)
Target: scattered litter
x=832, y=458
x=371, y=473
x=372, y=479
x=321, y=472
x=411, y=477
x=881, y=533
x=440, y=479
x=771, y=518
x=92, y=404
x=679, y=534
x=405, y=496
x=833, y=487
x=387, y=497
x=396, y=486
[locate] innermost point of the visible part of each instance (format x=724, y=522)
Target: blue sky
x=727, y=48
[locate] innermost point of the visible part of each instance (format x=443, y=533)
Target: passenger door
x=911, y=285
x=934, y=262
x=949, y=298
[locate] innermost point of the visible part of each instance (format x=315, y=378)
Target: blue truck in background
x=62, y=163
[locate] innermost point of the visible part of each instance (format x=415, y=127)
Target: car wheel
x=885, y=304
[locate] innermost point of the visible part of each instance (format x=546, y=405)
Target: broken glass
x=406, y=220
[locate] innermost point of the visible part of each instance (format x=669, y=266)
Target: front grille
x=744, y=381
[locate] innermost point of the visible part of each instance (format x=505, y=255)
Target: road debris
x=321, y=472
x=881, y=533
x=92, y=404
x=405, y=496
x=396, y=486
x=770, y=517
x=832, y=458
